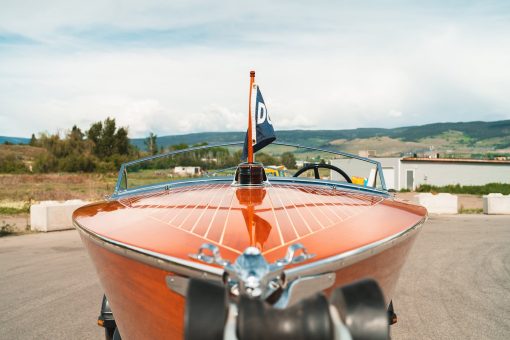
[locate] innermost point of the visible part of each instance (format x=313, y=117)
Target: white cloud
x=395, y=113
x=175, y=67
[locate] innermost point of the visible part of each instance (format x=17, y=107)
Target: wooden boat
x=140, y=239
x=276, y=239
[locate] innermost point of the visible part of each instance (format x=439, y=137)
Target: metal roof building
x=409, y=173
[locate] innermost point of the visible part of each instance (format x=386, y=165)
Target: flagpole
x=250, y=137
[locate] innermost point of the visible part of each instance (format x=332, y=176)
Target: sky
x=173, y=67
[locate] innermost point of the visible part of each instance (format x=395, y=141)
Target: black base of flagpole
x=250, y=174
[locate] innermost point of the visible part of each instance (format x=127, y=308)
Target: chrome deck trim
x=197, y=270
x=334, y=263
x=273, y=180
x=169, y=263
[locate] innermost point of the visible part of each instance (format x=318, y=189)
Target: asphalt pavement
x=455, y=285
x=456, y=282
x=48, y=288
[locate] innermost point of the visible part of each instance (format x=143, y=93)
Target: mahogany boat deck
x=177, y=221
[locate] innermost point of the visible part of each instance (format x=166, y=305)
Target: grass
x=61, y=186
x=463, y=210
x=503, y=188
x=150, y=176
x=14, y=211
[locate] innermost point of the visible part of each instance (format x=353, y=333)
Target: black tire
x=306, y=320
x=206, y=310
x=363, y=310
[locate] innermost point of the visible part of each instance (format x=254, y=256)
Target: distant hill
x=477, y=135
x=14, y=140
x=193, y=138
x=469, y=137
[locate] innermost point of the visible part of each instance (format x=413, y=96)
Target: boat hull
x=139, y=239
x=144, y=307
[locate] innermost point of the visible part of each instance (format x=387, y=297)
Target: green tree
x=46, y=162
x=101, y=148
x=122, y=141
x=76, y=134
x=107, y=145
x=94, y=135
x=180, y=146
x=288, y=160
x=151, y=143
x=12, y=164
x=75, y=143
x=265, y=159
x=107, y=139
x=33, y=141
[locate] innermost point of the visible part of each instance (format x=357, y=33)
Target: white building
x=409, y=173
x=187, y=170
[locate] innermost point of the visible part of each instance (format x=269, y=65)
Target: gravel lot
x=456, y=284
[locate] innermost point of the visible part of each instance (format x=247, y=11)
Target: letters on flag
x=262, y=127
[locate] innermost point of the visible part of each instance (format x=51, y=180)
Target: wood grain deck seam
x=183, y=210
x=203, y=199
x=275, y=189
x=275, y=218
x=300, y=214
x=333, y=211
x=226, y=219
x=312, y=210
x=205, y=209
x=216, y=211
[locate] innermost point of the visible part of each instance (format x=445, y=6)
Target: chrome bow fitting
x=251, y=274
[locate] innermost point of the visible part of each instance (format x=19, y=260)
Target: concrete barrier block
x=53, y=215
x=438, y=204
x=496, y=204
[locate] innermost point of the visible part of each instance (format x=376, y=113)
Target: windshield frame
x=123, y=168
